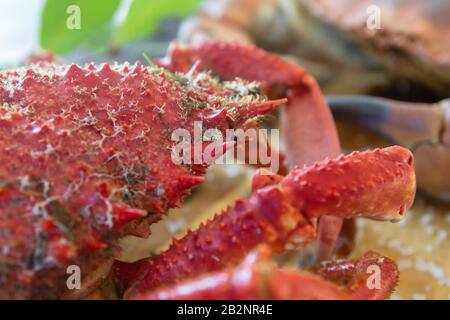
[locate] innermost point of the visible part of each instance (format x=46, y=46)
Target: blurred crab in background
x=332, y=39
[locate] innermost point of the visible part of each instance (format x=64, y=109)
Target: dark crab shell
x=413, y=41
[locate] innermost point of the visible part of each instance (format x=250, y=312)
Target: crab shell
x=86, y=159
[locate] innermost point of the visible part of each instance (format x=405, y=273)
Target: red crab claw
x=423, y=128
x=258, y=277
x=372, y=277
x=308, y=129
x=377, y=184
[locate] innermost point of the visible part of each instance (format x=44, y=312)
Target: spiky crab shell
x=86, y=158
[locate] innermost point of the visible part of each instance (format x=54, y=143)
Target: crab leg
x=355, y=273
x=421, y=127
x=377, y=184
x=305, y=113
x=258, y=277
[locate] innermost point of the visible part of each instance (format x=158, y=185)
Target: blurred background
x=392, y=48
x=109, y=29
x=19, y=25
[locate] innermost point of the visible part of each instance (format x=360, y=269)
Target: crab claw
x=371, y=277
x=377, y=184
x=258, y=277
x=423, y=128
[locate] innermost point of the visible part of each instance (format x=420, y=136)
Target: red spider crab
x=86, y=159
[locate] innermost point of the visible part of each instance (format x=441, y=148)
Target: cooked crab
x=87, y=159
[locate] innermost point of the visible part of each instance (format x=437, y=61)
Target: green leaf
x=57, y=29
x=144, y=16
